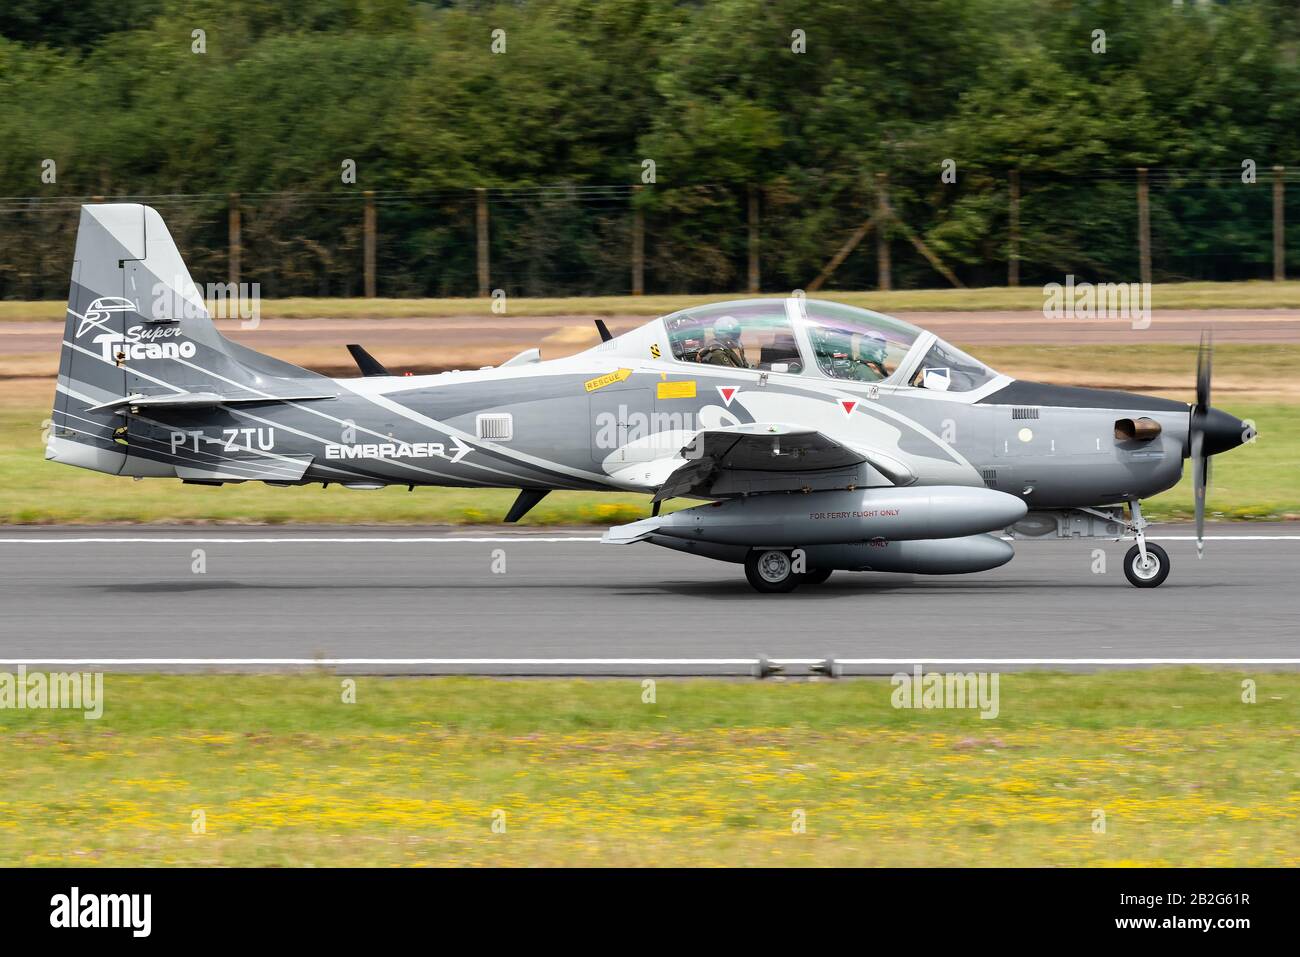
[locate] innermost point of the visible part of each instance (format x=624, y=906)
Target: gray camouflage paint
x=135, y=327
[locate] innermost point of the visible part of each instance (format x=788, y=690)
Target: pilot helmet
x=727, y=329
x=871, y=349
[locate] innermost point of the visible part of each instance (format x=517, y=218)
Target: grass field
x=1256, y=294
x=712, y=772
x=1258, y=481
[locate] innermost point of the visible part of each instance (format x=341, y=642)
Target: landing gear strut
x=1145, y=565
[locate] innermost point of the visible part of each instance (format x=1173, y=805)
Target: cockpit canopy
x=797, y=335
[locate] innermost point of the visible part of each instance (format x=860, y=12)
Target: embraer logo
x=399, y=450
x=97, y=315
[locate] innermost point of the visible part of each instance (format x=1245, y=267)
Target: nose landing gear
x=1145, y=565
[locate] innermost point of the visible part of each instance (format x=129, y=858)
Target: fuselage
x=613, y=418
x=616, y=417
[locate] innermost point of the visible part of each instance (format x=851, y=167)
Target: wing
x=769, y=457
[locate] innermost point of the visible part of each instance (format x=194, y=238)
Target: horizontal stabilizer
x=198, y=400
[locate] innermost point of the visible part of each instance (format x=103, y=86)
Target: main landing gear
x=772, y=571
x=1145, y=565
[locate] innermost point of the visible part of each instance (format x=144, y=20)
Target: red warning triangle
x=728, y=392
x=848, y=405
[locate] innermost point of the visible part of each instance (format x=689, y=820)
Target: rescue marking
x=600, y=382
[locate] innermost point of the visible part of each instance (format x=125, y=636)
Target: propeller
x=1197, y=451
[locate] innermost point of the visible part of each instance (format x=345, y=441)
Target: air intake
x=1025, y=413
x=498, y=427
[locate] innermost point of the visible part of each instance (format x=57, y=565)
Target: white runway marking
x=370, y=540
x=285, y=541
x=664, y=662
x=1220, y=538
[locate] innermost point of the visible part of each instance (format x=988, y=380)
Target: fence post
x=753, y=238
x=1013, y=260
x=1279, y=224
x=482, y=221
x=234, y=239
x=368, y=245
x=1144, y=227
x=882, y=234
x=638, y=245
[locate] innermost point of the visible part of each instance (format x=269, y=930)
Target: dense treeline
x=715, y=93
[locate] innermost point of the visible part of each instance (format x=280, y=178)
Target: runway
x=525, y=602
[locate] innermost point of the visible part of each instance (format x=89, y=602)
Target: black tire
x=1150, y=577
x=771, y=571
x=816, y=576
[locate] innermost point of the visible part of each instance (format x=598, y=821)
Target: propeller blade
x=1199, y=465
x=1204, y=364
x=1196, y=437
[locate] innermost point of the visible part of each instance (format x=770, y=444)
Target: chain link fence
x=987, y=228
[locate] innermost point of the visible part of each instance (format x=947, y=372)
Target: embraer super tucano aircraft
x=821, y=436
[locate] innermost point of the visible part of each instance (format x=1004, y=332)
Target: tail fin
x=138, y=332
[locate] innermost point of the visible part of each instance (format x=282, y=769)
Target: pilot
x=871, y=354
x=726, y=348
x=854, y=355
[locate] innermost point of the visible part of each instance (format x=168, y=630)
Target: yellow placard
x=609, y=379
x=677, y=390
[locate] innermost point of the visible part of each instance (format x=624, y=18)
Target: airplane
x=820, y=436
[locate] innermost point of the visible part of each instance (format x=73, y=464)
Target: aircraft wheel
x=816, y=576
x=1153, y=573
x=771, y=571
